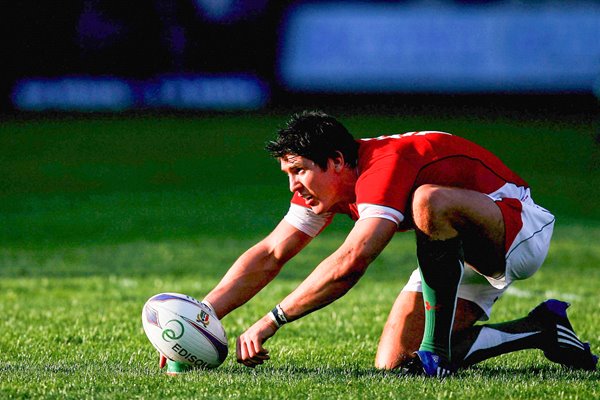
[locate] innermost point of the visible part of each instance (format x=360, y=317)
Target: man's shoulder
x=411, y=147
x=419, y=140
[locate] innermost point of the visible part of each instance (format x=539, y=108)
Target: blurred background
x=98, y=56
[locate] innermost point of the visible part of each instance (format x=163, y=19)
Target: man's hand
x=249, y=346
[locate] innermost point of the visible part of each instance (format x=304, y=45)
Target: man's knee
x=386, y=363
x=402, y=332
x=432, y=208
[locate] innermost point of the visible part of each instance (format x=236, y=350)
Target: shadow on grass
x=547, y=371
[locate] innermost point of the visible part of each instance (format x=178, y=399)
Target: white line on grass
x=515, y=292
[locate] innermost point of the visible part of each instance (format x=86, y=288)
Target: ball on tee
x=184, y=330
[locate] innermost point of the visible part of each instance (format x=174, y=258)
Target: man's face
x=320, y=189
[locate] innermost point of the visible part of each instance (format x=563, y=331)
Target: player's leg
x=546, y=327
x=452, y=225
x=403, y=330
x=480, y=223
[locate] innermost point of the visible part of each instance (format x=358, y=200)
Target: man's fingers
x=241, y=350
x=250, y=353
x=262, y=356
x=259, y=351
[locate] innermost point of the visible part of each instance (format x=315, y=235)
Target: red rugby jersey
x=390, y=168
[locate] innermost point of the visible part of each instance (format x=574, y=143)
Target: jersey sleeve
x=304, y=219
x=387, y=181
x=376, y=211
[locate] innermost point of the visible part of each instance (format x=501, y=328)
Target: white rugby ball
x=184, y=330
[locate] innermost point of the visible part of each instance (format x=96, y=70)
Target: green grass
x=97, y=215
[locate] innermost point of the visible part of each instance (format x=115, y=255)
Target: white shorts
x=529, y=229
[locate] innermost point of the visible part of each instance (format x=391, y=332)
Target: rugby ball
x=184, y=330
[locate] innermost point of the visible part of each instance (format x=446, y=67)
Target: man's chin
x=318, y=209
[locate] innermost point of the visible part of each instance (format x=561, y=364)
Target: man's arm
x=256, y=267
x=334, y=276
x=339, y=272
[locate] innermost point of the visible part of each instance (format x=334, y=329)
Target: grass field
x=98, y=214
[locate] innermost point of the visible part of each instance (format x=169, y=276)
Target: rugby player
x=477, y=231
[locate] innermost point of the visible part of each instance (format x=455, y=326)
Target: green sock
x=441, y=263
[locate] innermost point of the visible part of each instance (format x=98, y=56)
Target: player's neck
x=348, y=178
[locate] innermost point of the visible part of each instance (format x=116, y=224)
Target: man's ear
x=338, y=161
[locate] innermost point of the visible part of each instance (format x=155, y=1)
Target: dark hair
x=316, y=136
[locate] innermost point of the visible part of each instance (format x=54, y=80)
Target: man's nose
x=295, y=185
